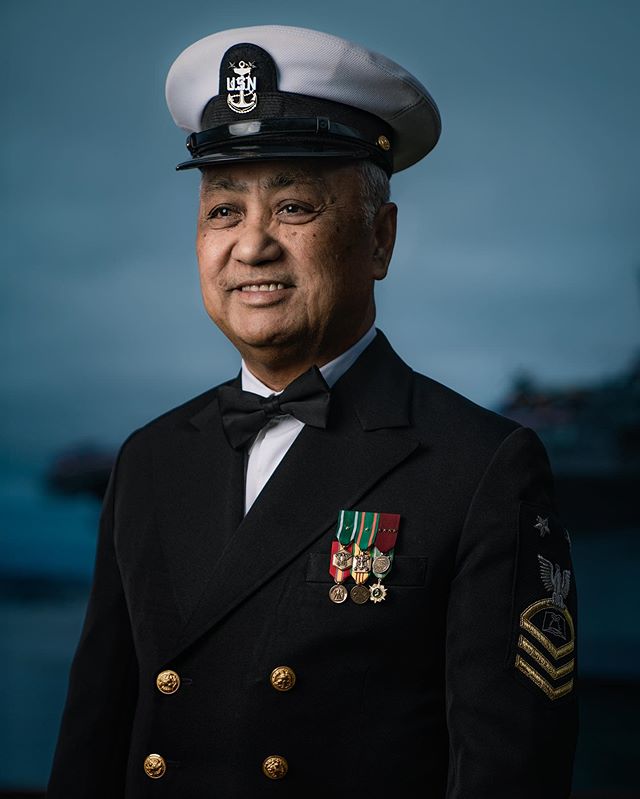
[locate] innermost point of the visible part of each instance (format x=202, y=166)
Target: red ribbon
x=387, y=531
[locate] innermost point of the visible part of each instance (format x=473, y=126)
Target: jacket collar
x=378, y=386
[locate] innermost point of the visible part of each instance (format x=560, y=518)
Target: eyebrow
x=285, y=179
x=280, y=181
x=224, y=184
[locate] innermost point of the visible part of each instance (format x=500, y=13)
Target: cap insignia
x=242, y=96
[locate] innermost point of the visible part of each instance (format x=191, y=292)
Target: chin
x=265, y=337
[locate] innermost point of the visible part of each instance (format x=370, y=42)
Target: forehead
x=276, y=175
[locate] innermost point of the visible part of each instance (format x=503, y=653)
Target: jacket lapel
x=200, y=496
x=323, y=471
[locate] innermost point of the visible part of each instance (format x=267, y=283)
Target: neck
x=277, y=368
x=278, y=371
x=277, y=379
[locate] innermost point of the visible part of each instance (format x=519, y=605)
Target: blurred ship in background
x=80, y=469
x=592, y=436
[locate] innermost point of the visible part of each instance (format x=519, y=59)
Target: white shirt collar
x=331, y=371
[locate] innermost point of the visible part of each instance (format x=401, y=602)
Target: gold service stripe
x=541, y=660
x=539, y=680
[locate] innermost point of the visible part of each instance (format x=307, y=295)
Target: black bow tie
x=244, y=414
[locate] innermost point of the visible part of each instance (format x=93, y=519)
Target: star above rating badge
x=542, y=526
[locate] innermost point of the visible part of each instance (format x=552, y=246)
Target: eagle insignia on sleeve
x=555, y=580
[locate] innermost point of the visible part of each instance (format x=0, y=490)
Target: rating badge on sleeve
x=547, y=635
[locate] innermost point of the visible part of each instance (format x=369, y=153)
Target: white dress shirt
x=272, y=443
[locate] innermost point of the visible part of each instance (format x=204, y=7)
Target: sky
x=519, y=242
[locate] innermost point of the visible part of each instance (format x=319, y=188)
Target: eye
x=296, y=213
x=223, y=215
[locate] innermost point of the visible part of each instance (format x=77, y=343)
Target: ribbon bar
x=388, y=526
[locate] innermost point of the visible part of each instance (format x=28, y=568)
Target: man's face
x=287, y=260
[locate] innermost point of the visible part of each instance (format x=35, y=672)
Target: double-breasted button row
x=283, y=678
x=274, y=767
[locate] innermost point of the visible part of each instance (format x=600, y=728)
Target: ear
x=384, y=238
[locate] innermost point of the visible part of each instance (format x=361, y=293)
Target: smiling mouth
x=263, y=287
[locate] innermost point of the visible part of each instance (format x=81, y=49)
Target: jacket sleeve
x=91, y=754
x=510, y=649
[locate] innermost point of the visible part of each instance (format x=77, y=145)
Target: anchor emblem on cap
x=242, y=96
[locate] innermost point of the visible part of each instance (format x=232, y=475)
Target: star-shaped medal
x=378, y=592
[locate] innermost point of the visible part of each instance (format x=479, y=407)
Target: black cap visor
x=274, y=139
x=265, y=153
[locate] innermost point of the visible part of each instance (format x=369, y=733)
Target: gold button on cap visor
x=168, y=681
x=154, y=766
x=275, y=767
x=283, y=678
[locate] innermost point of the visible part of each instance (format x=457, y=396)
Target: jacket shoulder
x=457, y=420
x=177, y=418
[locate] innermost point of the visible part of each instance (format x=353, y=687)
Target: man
x=330, y=575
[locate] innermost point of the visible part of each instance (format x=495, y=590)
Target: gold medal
x=359, y=593
x=338, y=593
x=342, y=559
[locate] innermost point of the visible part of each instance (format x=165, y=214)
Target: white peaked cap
x=314, y=65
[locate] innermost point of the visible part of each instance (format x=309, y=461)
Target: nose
x=255, y=245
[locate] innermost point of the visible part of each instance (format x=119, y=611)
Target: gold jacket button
x=154, y=766
x=283, y=678
x=275, y=767
x=168, y=682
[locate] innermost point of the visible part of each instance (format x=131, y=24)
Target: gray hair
x=375, y=188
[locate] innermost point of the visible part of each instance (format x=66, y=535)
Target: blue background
x=518, y=251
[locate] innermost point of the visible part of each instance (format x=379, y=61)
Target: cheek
x=334, y=260
x=345, y=262
x=210, y=259
x=203, y=247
